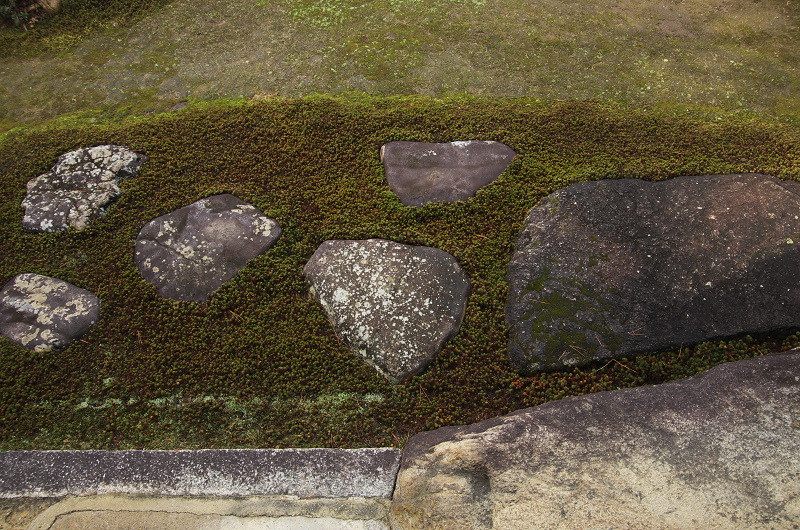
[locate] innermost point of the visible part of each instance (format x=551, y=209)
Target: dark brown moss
x=258, y=365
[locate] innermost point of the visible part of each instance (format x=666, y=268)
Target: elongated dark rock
x=420, y=172
x=619, y=267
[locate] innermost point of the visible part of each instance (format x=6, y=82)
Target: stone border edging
x=368, y=472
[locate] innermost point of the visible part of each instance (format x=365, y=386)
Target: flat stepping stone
x=42, y=313
x=189, y=253
x=395, y=305
x=718, y=450
x=618, y=267
x=79, y=188
x=420, y=172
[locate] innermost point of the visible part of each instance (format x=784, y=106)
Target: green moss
x=258, y=364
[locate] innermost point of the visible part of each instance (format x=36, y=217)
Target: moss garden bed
x=258, y=365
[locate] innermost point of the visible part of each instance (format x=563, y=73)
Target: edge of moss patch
x=259, y=340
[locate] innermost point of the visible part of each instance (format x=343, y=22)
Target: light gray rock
x=718, y=450
x=79, y=188
x=254, y=512
x=619, y=267
x=368, y=472
x=420, y=172
x=42, y=313
x=396, y=305
x=189, y=253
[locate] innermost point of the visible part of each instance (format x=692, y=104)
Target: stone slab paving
x=262, y=512
x=332, y=473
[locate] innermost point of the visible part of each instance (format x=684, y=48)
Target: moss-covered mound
x=258, y=365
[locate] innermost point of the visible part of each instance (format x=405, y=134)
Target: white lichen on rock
x=43, y=313
x=189, y=253
x=394, y=304
x=79, y=188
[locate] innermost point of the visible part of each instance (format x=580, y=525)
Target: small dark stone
x=191, y=252
x=79, y=188
x=395, y=305
x=618, y=267
x=421, y=172
x=42, y=313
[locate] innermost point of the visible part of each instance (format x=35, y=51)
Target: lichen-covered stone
x=619, y=267
x=421, y=172
x=79, y=188
x=189, y=253
x=396, y=305
x=718, y=450
x=42, y=313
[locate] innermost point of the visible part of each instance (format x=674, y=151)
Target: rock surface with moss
x=396, y=305
x=79, y=188
x=189, y=253
x=420, y=172
x=619, y=267
x=42, y=313
x=718, y=450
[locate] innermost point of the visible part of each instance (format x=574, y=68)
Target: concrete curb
x=331, y=473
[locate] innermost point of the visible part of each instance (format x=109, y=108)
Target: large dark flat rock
x=718, y=450
x=42, y=313
x=420, y=172
x=396, y=305
x=619, y=267
x=189, y=253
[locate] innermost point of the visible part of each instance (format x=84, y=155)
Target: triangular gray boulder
x=79, y=188
x=42, y=313
x=189, y=253
x=420, y=172
x=718, y=450
x=395, y=305
x=619, y=267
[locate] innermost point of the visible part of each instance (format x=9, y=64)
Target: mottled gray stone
x=396, y=305
x=41, y=313
x=421, y=172
x=189, y=253
x=79, y=188
x=718, y=450
x=368, y=472
x=618, y=267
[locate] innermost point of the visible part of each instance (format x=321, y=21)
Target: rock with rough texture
x=619, y=267
x=718, y=450
x=79, y=188
x=396, y=305
x=42, y=313
x=367, y=472
x=422, y=172
x=189, y=253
